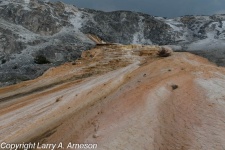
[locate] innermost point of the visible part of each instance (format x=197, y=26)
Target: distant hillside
x=36, y=35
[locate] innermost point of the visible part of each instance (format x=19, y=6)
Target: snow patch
x=138, y=37
x=2, y=3
x=76, y=20
x=210, y=43
x=26, y=1
x=26, y=6
x=71, y=9
x=176, y=26
x=178, y=29
x=24, y=34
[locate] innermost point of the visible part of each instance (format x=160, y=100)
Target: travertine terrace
x=120, y=97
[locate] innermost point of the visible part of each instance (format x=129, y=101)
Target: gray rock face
x=34, y=29
x=202, y=35
x=8, y=42
x=127, y=27
x=37, y=16
x=36, y=35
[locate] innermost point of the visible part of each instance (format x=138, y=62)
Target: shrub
x=41, y=59
x=164, y=52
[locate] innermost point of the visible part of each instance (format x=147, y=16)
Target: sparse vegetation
x=41, y=59
x=164, y=52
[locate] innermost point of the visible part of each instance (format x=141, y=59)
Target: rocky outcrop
x=36, y=29
x=120, y=97
x=36, y=16
x=127, y=27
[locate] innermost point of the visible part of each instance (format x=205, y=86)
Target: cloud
x=164, y=8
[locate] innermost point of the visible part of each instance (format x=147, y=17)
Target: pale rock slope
x=120, y=97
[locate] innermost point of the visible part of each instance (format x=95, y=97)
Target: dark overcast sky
x=164, y=8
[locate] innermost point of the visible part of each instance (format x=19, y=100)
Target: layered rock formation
x=36, y=35
x=120, y=97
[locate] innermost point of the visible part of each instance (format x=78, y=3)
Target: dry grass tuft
x=164, y=52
